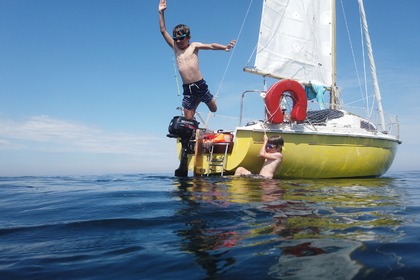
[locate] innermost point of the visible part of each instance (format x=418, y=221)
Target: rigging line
x=351, y=46
x=362, y=99
x=176, y=75
x=233, y=50
x=264, y=127
x=176, y=80
x=256, y=45
x=252, y=54
x=266, y=118
x=369, y=108
x=230, y=58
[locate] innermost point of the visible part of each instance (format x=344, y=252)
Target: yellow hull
x=310, y=155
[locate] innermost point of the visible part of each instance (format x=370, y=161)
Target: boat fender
x=272, y=101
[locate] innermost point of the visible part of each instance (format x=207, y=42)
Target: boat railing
x=391, y=122
x=242, y=102
x=372, y=124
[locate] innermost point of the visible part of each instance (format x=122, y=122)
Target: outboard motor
x=180, y=127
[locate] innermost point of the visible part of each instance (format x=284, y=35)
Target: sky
x=89, y=87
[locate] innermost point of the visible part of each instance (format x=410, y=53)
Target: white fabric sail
x=295, y=40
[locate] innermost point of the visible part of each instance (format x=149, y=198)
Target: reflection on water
x=297, y=228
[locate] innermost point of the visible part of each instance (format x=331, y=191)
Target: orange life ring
x=273, y=97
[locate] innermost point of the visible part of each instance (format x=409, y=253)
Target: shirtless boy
x=271, y=152
x=195, y=87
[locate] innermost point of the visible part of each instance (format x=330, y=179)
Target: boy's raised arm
x=163, y=31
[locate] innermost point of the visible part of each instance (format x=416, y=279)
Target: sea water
x=157, y=226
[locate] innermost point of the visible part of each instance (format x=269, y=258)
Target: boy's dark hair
x=276, y=140
x=180, y=30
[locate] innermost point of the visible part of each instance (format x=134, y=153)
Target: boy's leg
x=241, y=171
x=189, y=114
x=212, y=105
x=189, y=103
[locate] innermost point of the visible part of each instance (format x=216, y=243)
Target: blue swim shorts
x=195, y=93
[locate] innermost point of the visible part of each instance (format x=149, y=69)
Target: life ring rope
x=270, y=115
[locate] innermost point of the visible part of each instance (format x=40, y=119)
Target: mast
x=334, y=91
x=372, y=66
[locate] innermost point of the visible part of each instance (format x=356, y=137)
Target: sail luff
x=372, y=65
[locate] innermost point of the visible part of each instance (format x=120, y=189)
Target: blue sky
x=89, y=87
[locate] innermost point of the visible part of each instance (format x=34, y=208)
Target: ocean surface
x=148, y=226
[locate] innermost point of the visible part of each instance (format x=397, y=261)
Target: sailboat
x=297, y=48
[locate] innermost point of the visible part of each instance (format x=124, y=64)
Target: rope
x=359, y=80
x=233, y=50
x=230, y=58
x=270, y=115
x=176, y=76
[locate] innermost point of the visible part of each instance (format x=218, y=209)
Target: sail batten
x=295, y=40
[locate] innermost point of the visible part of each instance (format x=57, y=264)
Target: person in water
x=271, y=151
x=186, y=53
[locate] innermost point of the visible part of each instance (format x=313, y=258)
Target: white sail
x=295, y=40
